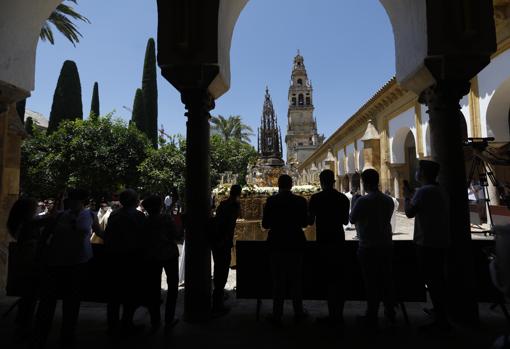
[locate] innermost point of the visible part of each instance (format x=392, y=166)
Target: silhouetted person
x=329, y=209
x=285, y=215
x=161, y=252
x=123, y=244
x=226, y=215
x=429, y=207
x=372, y=215
x=24, y=226
x=355, y=195
x=67, y=252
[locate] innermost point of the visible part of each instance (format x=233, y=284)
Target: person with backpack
x=161, y=252
x=221, y=245
x=66, y=253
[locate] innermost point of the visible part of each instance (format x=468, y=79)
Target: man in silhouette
x=123, y=244
x=429, y=207
x=329, y=209
x=372, y=215
x=285, y=215
x=226, y=215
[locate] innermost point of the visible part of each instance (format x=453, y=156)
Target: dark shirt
x=226, y=216
x=285, y=215
x=124, y=231
x=329, y=209
x=160, y=237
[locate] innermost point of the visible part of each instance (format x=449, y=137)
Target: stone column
x=197, y=293
x=443, y=101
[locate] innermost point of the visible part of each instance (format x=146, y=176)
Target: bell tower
x=302, y=137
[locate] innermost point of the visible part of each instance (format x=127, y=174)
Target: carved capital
x=197, y=102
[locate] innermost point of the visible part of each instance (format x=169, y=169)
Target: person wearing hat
x=429, y=207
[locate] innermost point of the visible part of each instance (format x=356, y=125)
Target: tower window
x=300, y=82
x=300, y=99
x=307, y=100
x=293, y=100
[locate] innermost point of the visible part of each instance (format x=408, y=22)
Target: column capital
x=197, y=98
x=445, y=94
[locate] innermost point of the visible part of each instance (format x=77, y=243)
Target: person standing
x=123, y=247
x=68, y=250
x=221, y=244
x=329, y=210
x=395, y=210
x=429, y=207
x=24, y=225
x=161, y=252
x=285, y=215
x=372, y=216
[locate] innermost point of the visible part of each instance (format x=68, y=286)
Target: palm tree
x=231, y=128
x=62, y=19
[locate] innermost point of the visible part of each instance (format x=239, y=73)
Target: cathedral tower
x=302, y=137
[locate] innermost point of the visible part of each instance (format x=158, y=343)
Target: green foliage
x=164, y=168
x=101, y=156
x=231, y=128
x=94, y=104
x=231, y=155
x=150, y=93
x=138, y=113
x=67, y=103
x=62, y=19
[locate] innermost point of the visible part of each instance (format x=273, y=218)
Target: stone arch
x=497, y=117
x=341, y=163
x=356, y=182
x=410, y=158
x=19, y=34
x=346, y=183
x=398, y=143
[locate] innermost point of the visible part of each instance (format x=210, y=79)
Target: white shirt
x=168, y=201
x=372, y=215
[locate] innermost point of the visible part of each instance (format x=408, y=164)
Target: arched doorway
x=410, y=159
x=356, y=182
x=345, y=184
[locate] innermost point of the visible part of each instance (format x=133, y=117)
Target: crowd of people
x=140, y=238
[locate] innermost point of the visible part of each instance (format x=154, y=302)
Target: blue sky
x=347, y=46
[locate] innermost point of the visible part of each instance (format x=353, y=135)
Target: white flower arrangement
x=254, y=190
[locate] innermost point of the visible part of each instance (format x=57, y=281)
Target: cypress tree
x=67, y=104
x=138, y=116
x=29, y=126
x=150, y=93
x=94, y=105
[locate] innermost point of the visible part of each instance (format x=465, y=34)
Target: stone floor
x=240, y=329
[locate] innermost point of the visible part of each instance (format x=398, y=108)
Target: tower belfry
x=302, y=137
x=269, y=135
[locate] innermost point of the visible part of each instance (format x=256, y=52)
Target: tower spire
x=269, y=135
